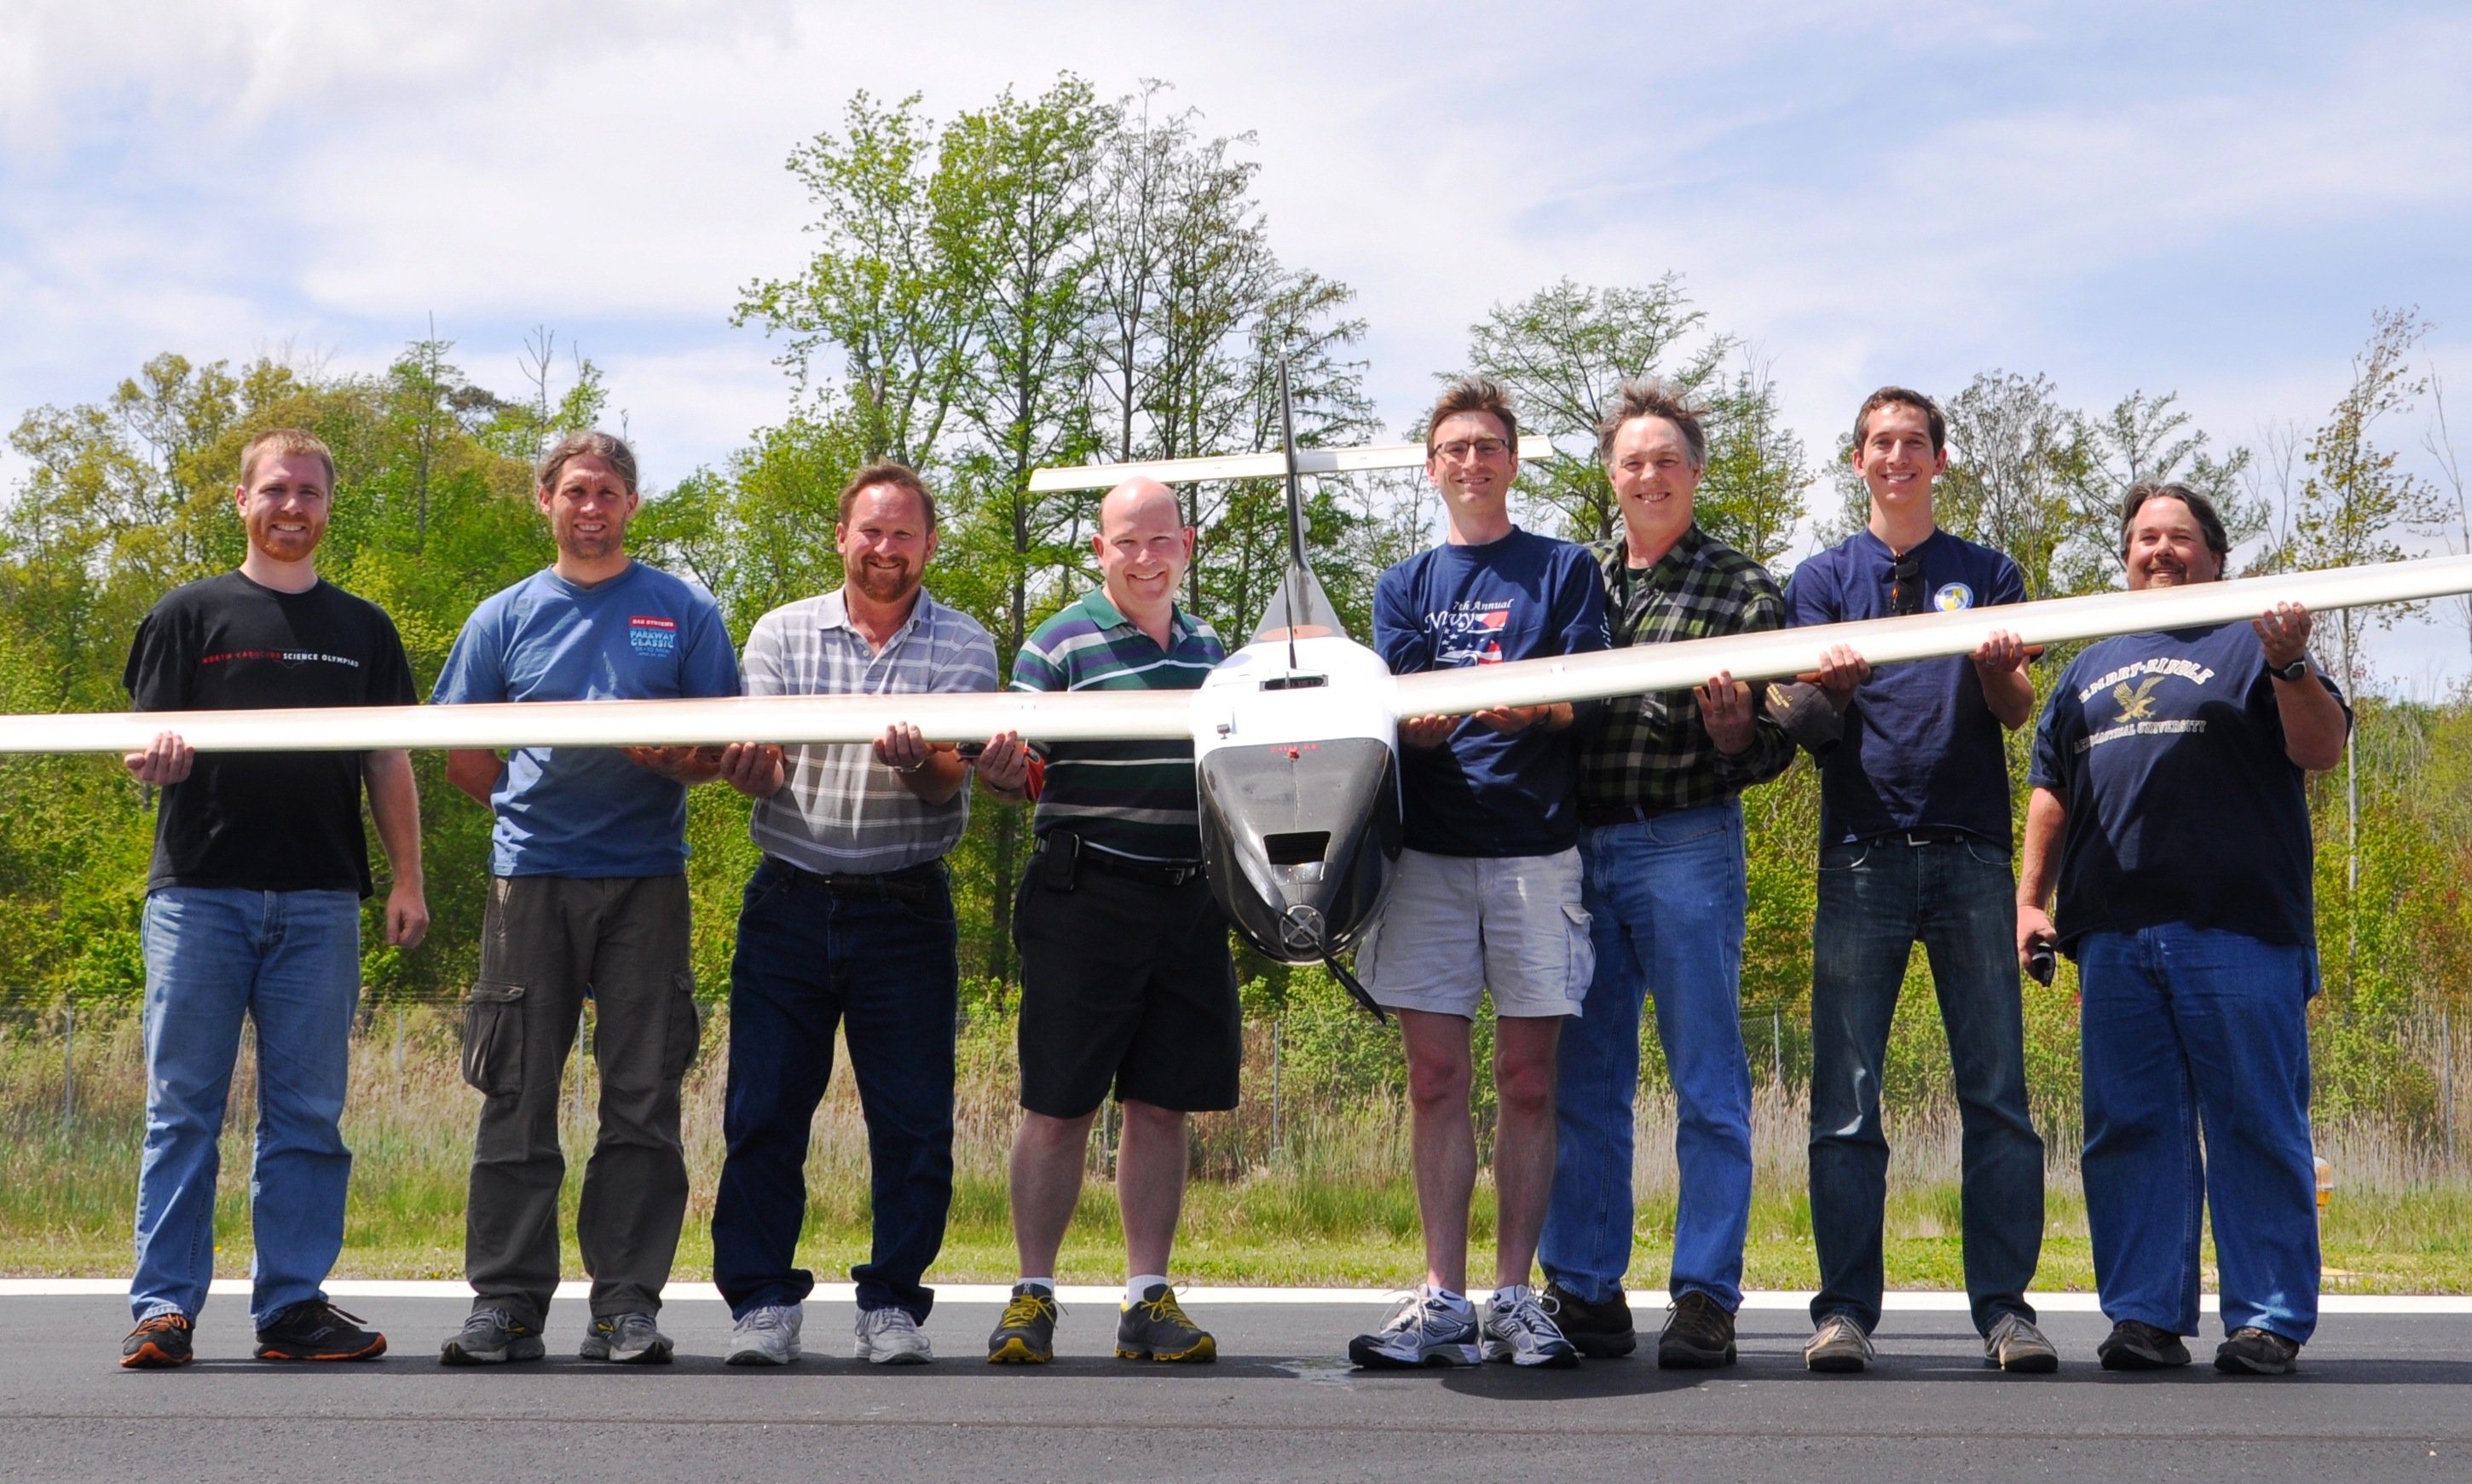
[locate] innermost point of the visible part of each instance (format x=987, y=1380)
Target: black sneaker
x=2134, y=1345
x=1698, y=1334
x=2254, y=1352
x=1159, y=1328
x=157, y=1344
x=1600, y=1332
x=490, y=1337
x=1026, y=1334
x=315, y=1329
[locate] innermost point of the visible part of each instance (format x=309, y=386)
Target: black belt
x=1597, y=816
x=917, y=883
x=1930, y=834
x=1154, y=872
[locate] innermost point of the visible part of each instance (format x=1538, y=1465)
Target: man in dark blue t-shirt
x=1488, y=893
x=2167, y=780
x=1913, y=846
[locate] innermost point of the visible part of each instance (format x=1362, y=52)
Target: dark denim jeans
x=1957, y=898
x=290, y=961
x=2187, y=1027
x=1666, y=902
x=886, y=971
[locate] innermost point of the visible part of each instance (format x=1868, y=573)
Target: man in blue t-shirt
x=1487, y=894
x=1913, y=846
x=587, y=897
x=2168, y=778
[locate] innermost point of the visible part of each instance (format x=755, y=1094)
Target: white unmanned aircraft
x=1294, y=735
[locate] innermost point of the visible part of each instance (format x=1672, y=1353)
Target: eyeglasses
x=1459, y=448
x=1906, y=585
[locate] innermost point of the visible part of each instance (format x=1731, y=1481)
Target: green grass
x=1332, y=1205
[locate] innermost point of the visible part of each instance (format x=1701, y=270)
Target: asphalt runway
x=2378, y=1397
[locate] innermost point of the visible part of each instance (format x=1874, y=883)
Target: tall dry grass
x=1305, y=1186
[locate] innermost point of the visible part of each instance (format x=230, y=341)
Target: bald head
x=1143, y=550
x=1139, y=500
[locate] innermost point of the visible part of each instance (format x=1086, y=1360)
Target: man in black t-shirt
x=253, y=910
x=2168, y=778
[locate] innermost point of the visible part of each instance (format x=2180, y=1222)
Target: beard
x=284, y=545
x=884, y=585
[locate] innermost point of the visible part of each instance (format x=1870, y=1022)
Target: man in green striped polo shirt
x=1126, y=981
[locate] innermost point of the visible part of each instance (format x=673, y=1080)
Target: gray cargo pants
x=545, y=942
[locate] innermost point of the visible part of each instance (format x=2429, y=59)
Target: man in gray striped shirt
x=848, y=922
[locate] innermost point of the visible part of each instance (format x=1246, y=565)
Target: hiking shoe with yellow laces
x=1026, y=1335
x=1159, y=1328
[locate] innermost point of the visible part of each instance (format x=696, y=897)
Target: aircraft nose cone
x=1301, y=929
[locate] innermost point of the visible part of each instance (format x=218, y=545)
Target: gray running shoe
x=490, y=1337
x=2254, y=1352
x=627, y=1340
x=2134, y=1345
x=1839, y=1345
x=1425, y=1329
x=1520, y=1328
x=1026, y=1334
x=1159, y=1328
x=2015, y=1344
x=765, y=1336
x=889, y=1337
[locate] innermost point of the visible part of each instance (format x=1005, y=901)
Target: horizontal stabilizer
x=1255, y=465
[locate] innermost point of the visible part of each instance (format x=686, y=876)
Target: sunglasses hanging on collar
x=1906, y=585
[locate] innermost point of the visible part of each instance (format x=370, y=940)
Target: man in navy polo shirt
x=587, y=896
x=2169, y=793
x=1913, y=846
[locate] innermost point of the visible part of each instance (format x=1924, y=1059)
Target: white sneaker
x=767, y=1336
x=889, y=1337
x=1519, y=1329
x=1425, y=1329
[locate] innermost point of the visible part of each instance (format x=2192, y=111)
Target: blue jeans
x=885, y=970
x=1877, y=898
x=1666, y=899
x=2188, y=1027
x=290, y=961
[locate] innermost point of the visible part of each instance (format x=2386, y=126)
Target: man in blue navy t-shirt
x=1487, y=896
x=587, y=896
x=1913, y=846
x=2168, y=778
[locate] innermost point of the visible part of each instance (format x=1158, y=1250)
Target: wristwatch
x=2296, y=670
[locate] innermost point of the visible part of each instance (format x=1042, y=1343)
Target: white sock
x=1045, y=1286
x=1440, y=1292
x=1138, y=1287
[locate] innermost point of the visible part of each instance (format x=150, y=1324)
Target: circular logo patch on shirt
x=1954, y=596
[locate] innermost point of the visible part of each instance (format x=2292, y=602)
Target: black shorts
x=1125, y=982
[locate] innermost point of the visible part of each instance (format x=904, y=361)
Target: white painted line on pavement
x=1077, y=1293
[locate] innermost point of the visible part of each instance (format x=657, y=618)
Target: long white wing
x=1786, y=652
x=1255, y=465
x=1089, y=716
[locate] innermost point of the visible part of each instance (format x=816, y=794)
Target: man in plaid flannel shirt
x=1660, y=781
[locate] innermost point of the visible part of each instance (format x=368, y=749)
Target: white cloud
x=2119, y=196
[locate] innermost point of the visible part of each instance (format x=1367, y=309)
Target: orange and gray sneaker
x=1026, y=1334
x=315, y=1329
x=1157, y=1329
x=160, y=1342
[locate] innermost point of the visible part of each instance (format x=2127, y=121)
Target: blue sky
x=2210, y=199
